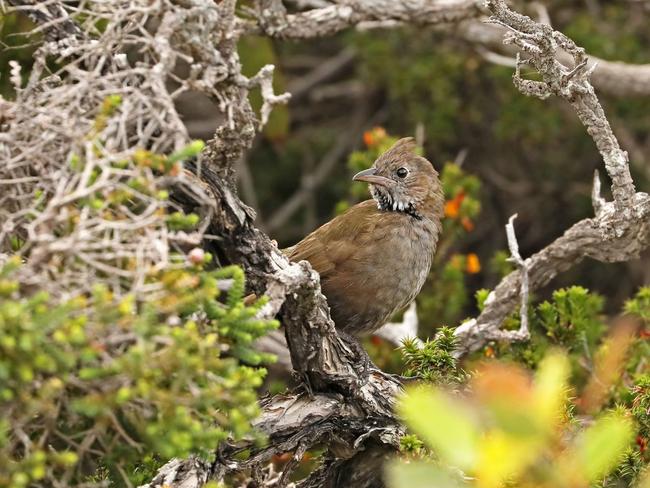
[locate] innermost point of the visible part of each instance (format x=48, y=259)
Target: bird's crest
x=403, y=147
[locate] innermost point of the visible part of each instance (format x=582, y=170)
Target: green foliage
x=572, y=318
x=640, y=405
x=481, y=297
x=103, y=381
x=106, y=381
x=640, y=305
x=433, y=360
x=635, y=402
x=411, y=444
x=604, y=376
x=500, y=263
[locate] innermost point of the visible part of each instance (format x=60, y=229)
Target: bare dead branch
x=620, y=231
x=523, y=334
x=457, y=18
x=273, y=20
x=613, y=78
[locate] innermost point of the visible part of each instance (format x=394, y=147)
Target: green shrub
x=98, y=382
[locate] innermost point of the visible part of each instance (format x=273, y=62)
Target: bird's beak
x=369, y=176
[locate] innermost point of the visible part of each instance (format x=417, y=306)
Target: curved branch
x=584, y=240
x=621, y=229
x=613, y=78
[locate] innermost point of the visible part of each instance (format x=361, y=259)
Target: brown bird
x=374, y=258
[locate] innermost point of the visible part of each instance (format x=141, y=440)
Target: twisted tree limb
x=613, y=78
x=620, y=230
x=588, y=238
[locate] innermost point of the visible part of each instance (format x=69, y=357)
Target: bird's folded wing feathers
x=337, y=241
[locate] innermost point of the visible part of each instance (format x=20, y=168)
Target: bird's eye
x=402, y=172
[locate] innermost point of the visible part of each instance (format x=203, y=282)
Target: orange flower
x=489, y=352
x=473, y=264
x=467, y=224
x=374, y=136
x=368, y=138
x=452, y=207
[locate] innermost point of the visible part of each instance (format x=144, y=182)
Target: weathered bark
x=613, y=78
x=273, y=19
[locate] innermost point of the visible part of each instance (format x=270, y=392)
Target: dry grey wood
x=523, y=334
x=613, y=78
x=458, y=18
x=620, y=230
x=586, y=239
x=52, y=19
x=273, y=20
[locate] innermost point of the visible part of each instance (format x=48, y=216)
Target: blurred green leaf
x=445, y=424
x=598, y=449
x=419, y=475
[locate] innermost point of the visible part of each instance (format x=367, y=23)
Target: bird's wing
x=337, y=241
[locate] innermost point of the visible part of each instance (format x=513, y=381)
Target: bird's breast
x=408, y=257
x=387, y=273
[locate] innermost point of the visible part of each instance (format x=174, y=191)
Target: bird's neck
x=429, y=208
x=432, y=207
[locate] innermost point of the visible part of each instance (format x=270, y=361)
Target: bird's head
x=402, y=181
